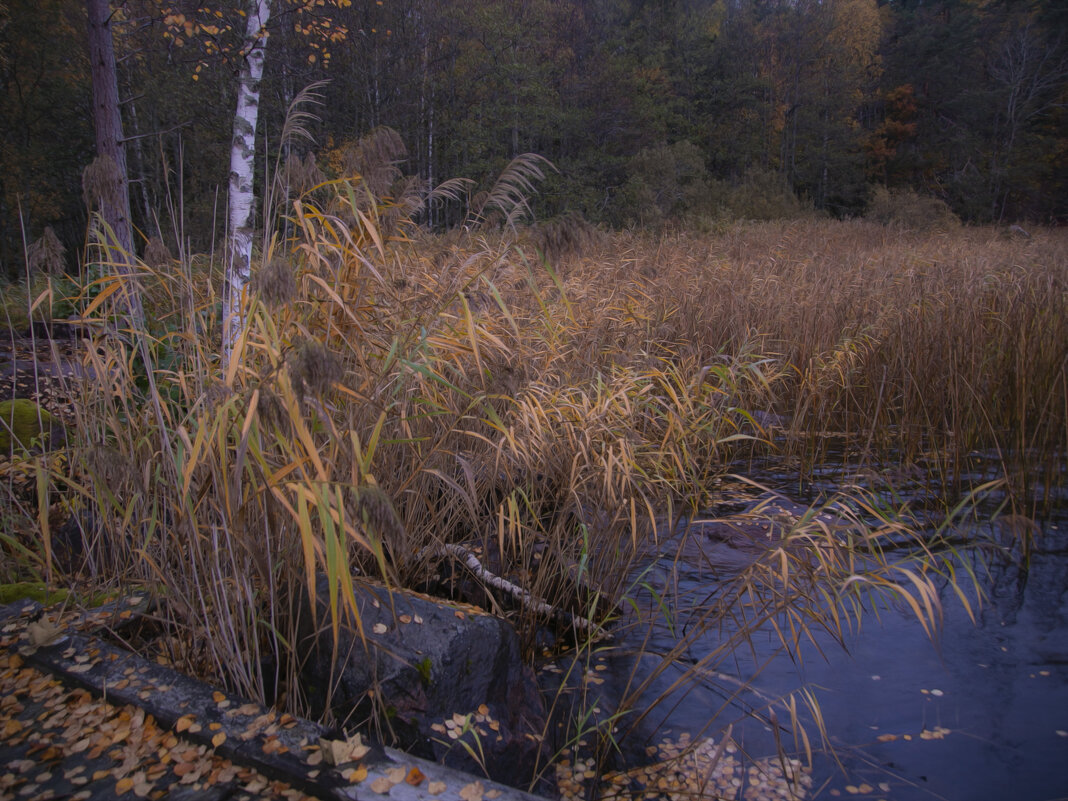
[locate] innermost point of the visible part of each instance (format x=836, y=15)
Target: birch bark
x=242, y=159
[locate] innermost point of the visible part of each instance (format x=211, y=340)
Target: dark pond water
x=981, y=713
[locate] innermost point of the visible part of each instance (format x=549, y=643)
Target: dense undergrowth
x=396, y=391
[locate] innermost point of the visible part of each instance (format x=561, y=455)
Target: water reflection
x=982, y=713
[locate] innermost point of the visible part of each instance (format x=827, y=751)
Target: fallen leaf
x=382, y=785
x=338, y=752
x=472, y=792
x=434, y=788
x=124, y=785
x=44, y=633
x=415, y=777
x=354, y=775
x=183, y=723
x=218, y=739
x=379, y=628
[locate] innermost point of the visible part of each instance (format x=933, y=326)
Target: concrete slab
x=288, y=749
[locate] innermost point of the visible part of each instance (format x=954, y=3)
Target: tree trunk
x=242, y=159
x=109, y=186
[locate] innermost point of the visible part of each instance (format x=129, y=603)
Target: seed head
x=46, y=254
x=102, y=183
x=275, y=282
x=314, y=369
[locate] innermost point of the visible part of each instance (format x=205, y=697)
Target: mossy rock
x=24, y=424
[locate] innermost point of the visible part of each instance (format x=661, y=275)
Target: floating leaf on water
x=379, y=628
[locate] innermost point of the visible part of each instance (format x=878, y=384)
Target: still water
x=979, y=713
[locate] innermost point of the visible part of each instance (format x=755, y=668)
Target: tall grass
x=394, y=392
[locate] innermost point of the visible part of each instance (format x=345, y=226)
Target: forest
x=676, y=111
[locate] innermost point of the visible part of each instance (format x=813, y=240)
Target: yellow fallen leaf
x=183, y=723
x=218, y=739
x=354, y=775
x=124, y=785
x=415, y=777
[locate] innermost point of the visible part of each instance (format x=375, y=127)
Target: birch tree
x=242, y=162
x=214, y=31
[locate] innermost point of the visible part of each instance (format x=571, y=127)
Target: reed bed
x=395, y=392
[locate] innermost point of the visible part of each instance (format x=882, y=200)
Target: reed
x=395, y=392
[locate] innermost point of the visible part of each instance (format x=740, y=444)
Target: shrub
x=905, y=208
x=763, y=195
x=665, y=183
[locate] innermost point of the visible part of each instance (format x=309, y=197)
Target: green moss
x=48, y=596
x=33, y=591
x=23, y=423
x=424, y=667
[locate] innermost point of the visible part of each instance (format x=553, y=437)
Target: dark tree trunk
x=110, y=188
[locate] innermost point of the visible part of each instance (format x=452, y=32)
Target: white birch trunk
x=242, y=159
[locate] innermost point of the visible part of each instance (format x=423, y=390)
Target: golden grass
x=397, y=394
